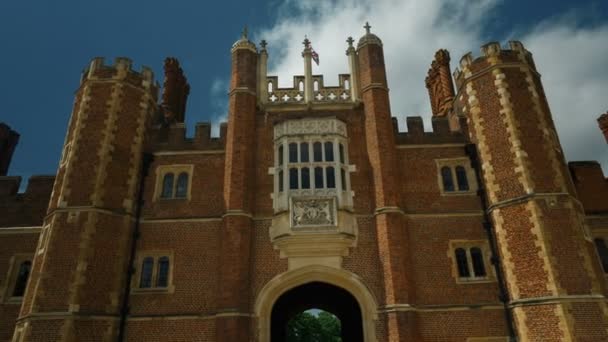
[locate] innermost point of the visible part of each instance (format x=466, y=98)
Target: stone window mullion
x=285, y=166
x=470, y=262
x=337, y=169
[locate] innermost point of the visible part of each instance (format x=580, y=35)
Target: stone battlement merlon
x=173, y=137
x=441, y=133
x=121, y=69
x=38, y=185
x=492, y=54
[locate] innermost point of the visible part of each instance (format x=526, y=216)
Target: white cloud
x=219, y=104
x=575, y=77
x=571, y=60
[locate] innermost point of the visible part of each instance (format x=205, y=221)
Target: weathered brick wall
x=12, y=242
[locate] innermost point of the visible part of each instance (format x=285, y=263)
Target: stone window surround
x=309, y=131
x=155, y=254
x=452, y=163
x=11, y=277
x=176, y=169
x=467, y=245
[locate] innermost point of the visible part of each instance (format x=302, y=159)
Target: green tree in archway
x=307, y=327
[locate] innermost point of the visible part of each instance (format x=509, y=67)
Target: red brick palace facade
x=309, y=198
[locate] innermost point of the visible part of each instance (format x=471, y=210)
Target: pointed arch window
x=470, y=260
x=147, y=267
x=174, y=181
x=22, y=276
x=168, y=186
x=446, y=177
x=456, y=176
x=461, y=178
x=155, y=272
x=181, y=189
x=462, y=263
x=162, y=278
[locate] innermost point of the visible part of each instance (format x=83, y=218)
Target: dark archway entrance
x=319, y=295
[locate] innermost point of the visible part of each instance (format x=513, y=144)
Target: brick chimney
x=603, y=122
x=8, y=142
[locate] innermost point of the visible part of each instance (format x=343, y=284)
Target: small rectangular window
x=318, y=178
x=305, y=178
x=293, y=178
x=331, y=177
x=293, y=153
x=304, y=152
x=317, y=152
x=329, y=151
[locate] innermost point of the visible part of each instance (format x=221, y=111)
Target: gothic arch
x=315, y=273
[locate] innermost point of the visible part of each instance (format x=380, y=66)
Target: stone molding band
x=525, y=198
x=555, y=300
x=374, y=86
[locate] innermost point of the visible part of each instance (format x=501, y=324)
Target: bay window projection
x=311, y=160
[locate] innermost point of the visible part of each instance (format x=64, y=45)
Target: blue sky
x=46, y=45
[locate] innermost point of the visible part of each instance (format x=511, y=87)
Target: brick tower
x=552, y=274
x=80, y=266
x=237, y=223
x=390, y=226
x=8, y=142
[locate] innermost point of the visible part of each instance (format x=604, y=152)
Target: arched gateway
x=318, y=295
x=338, y=291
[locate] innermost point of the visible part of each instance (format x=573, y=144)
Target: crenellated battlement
x=321, y=93
x=492, y=54
x=174, y=138
x=27, y=208
x=441, y=133
x=121, y=69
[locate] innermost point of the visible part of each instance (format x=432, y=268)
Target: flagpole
x=307, y=54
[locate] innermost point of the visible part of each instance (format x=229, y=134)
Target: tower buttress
x=237, y=222
x=8, y=142
x=546, y=252
x=80, y=267
x=380, y=140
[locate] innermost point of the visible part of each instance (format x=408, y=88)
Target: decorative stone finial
x=244, y=42
x=350, y=41
x=263, y=44
x=306, y=42
x=368, y=38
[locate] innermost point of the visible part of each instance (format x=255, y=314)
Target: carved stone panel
x=313, y=212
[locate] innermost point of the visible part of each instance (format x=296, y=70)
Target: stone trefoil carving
x=313, y=212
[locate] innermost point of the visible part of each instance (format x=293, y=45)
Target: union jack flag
x=315, y=56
